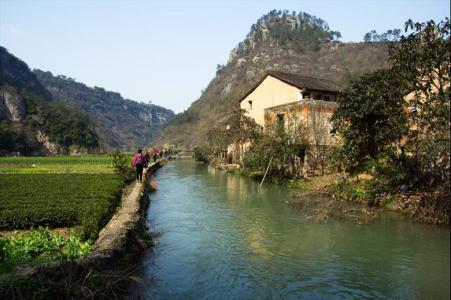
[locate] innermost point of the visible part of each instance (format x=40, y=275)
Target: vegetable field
x=55, y=191
x=57, y=160
x=57, y=200
x=39, y=246
x=56, y=164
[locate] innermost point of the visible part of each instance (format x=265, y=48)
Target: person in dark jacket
x=138, y=162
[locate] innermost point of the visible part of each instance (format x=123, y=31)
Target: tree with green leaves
x=422, y=60
x=391, y=35
x=371, y=115
x=370, y=118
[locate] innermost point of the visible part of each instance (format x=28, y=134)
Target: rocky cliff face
x=48, y=146
x=298, y=43
x=12, y=106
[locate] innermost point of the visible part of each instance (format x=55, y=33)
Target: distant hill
x=30, y=122
x=16, y=73
x=280, y=41
x=123, y=124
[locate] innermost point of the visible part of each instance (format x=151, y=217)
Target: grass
x=49, y=168
x=301, y=184
x=56, y=164
x=56, y=160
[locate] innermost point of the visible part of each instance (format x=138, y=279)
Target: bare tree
x=320, y=139
x=286, y=140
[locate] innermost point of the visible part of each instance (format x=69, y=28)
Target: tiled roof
x=299, y=81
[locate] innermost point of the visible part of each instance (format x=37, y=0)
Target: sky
x=166, y=52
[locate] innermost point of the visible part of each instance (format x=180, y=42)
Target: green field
x=58, y=191
x=56, y=164
x=57, y=160
x=81, y=192
x=57, y=200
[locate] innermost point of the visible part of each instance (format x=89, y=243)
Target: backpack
x=140, y=161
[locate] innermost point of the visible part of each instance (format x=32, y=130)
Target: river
x=221, y=237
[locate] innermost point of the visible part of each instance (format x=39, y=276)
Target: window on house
x=250, y=104
x=280, y=119
x=326, y=98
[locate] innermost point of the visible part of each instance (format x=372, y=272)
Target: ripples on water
x=224, y=238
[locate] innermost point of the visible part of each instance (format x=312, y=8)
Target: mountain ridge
x=278, y=41
x=30, y=122
x=124, y=124
x=72, y=113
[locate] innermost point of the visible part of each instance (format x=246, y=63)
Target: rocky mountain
x=30, y=123
x=123, y=124
x=280, y=41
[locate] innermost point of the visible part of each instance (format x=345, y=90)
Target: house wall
x=315, y=113
x=271, y=92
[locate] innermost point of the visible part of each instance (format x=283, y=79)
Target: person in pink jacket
x=138, y=162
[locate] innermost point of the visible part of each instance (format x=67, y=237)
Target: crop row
x=54, y=168
x=56, y=200
x=60, y=159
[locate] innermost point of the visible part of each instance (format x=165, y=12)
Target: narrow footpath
x=113, y=236
x=112, y=240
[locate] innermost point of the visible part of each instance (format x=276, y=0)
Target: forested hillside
x=282, y=41
x=30, y=123
x=124, y=124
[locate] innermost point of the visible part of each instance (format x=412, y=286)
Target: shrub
x=121, y=165
x=202, y=153
x=286, y=144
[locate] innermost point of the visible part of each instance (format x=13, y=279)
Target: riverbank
x=431, y=207
x=309, y=184
x=345, y=199
x=115, y=254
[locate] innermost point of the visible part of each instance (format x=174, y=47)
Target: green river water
x=224, y=238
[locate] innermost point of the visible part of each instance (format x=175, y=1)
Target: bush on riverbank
x=395, y=128
x=394, y=182
x=202, y=154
